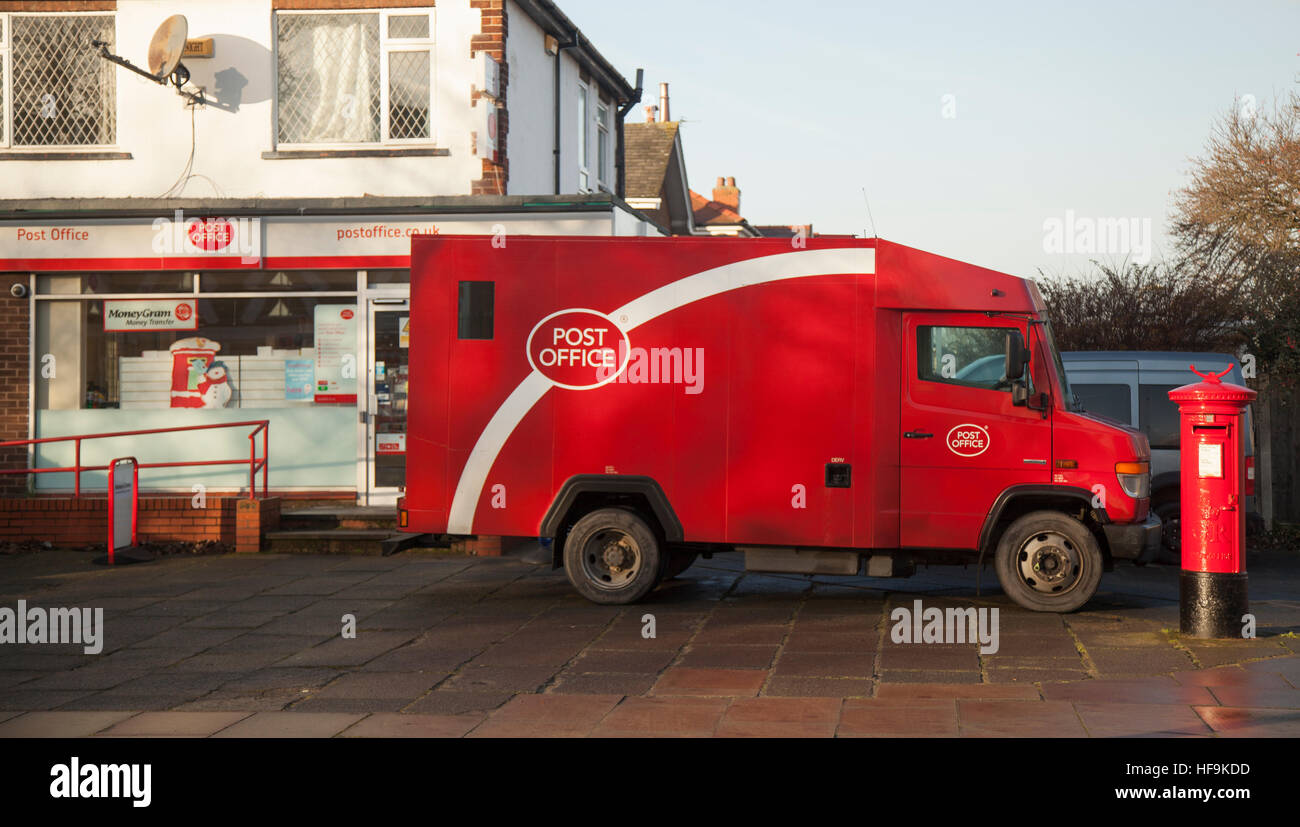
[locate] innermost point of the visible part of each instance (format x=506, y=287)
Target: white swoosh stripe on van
x=684, y=291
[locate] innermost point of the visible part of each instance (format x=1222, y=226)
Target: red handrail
x=254, y=464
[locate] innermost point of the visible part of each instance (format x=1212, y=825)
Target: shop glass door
x=389, y=327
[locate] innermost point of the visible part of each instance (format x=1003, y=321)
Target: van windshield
x=1068, y=400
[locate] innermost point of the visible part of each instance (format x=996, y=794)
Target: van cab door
x=962, y=439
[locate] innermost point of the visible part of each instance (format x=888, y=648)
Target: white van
x=1133, y=387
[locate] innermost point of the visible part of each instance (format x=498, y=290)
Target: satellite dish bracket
x=178, y=76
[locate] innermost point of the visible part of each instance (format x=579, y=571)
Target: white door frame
x=382, y=300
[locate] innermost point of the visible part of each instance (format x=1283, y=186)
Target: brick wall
x=57, y=5
x=66, y=523
x=492, y=40
x=14, y=382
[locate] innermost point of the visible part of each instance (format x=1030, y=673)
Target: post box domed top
x=1211, y=388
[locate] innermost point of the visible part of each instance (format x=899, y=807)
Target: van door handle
x=916, y=435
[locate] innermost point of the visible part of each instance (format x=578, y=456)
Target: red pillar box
x=1213, y=481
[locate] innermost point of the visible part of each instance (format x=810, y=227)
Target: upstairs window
x=348, y=78
x=584, y=144
x=55, y=89
x=602, y=145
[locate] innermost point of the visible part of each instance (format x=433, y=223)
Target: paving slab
x=911, y=718
x=290, y=725
x=173, y=724
x=663, y=717
x=58, y=724
x=397, y=725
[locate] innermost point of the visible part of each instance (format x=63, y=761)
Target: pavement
x=252, y=646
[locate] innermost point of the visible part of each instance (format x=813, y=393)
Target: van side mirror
x=1019, y=394
x=1017, y=355
x=1020, y=397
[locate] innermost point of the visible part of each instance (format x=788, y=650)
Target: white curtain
x=329, y=78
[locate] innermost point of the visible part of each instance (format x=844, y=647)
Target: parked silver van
x=1133, y=387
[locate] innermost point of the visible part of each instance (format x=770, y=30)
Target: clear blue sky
x=1094, y=107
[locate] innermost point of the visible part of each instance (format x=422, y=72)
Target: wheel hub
x=1049, y=562
x=611, y=559
x=614, y=556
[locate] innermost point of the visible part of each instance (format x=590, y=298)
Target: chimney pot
x=726, y=193
x=650, y=113
x=663, y=103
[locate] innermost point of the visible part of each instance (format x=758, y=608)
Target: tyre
x=1171, y=531
x=676, y=562
x=1048, y=562
x=612, y=557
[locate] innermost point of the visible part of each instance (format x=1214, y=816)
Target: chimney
x=651, y=114
x=663, y=103
x=725, y=192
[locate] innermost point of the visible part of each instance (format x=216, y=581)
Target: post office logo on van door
x=968, y=440
x=578, y=349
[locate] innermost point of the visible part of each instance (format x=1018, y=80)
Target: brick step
x=369, y=541
x=358, y=517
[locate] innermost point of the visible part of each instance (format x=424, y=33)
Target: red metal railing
x=263, y=426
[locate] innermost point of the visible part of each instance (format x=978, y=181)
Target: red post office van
x=836, y=406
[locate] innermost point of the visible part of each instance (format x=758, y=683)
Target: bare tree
x=1147, y=307
x=1238, y=221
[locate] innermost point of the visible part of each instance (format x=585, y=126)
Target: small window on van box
x=1158, y=415
x=1115, y=401
x=970, y=356
x=474, y=314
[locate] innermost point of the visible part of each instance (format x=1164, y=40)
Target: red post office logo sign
x=967, y=440
x=210, y=234
x=578, y=349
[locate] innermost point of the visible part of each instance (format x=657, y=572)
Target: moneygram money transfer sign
x=150, y=314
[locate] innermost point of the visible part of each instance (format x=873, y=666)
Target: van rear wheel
x=1048, y=562
x=612, y=557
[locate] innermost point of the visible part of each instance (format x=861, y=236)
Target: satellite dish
x=167, y=45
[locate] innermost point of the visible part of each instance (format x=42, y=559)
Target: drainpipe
x=620, y=178
x=559, y=54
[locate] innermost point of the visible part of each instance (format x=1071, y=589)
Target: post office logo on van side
x=578, y=349
x=967, y=440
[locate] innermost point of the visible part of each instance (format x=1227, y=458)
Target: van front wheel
x=612, y=557
x=1048, y=562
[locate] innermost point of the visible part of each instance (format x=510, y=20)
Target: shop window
x=109, y=283
x=192, y=352
x=376, y=278
x=277, y=281
x=355, y=78
x=474, y=314
x=55, y=89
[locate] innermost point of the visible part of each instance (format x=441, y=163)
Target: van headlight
x=1134, y=478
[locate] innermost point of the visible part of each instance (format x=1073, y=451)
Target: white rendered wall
x=154, y=125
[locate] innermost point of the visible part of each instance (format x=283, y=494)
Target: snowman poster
x=198, y=381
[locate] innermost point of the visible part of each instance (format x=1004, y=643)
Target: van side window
x=1113, y=400
x=1158, y=415
x=971, y=356
x=474, y=313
